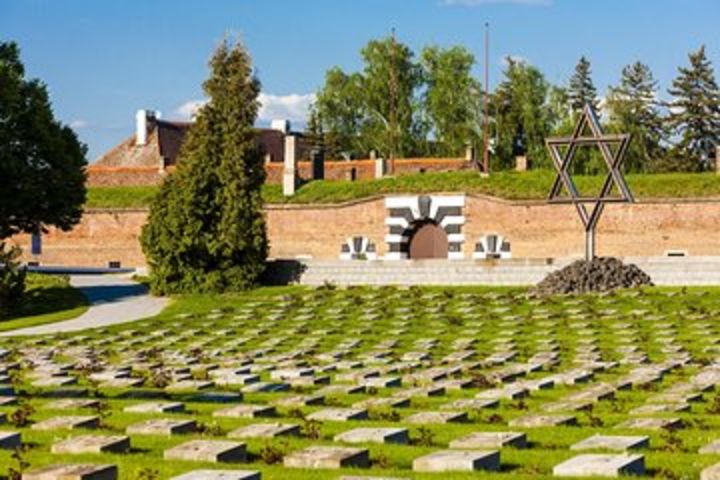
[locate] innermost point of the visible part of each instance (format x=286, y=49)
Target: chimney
x=144, y=120
x=281, y=125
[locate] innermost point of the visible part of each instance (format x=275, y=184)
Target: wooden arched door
x=428, y=241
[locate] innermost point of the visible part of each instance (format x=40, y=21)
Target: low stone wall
x=535, y=230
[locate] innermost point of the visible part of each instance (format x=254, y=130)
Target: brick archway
x=428, y=240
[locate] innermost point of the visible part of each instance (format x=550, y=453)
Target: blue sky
x=103, y=59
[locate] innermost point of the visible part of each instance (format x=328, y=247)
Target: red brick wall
x=334, y=170
x=534, y=229
x=123, y=176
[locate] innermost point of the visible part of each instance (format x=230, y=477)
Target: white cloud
x=187, y=110
x=476, y=3
x=292, y=107
x=79, y=124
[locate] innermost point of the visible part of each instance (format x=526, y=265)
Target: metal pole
x=486, y=132
x=590, y=244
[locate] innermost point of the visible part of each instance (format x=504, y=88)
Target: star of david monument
x=562, y=150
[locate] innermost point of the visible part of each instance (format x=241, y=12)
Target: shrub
x=12, y=278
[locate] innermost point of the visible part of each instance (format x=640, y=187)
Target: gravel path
x=113, y=299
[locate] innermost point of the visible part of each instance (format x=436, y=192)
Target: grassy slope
x=509, y=185
x=48, y=298
x=669, y=457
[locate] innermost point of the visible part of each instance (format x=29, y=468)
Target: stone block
x=533, y=420
x=711, y=473
x=651, y=423
x=601, y=465
x=374, y=435
x=73, y=472
x=328, y=457
x=265, y=430
x=712, y=448
x=156, y=407
x=162, y=426
x=612, y=442
x=92, y=444
x=339, y=414
x=219, y=475
x=10, y=440
x=207, y=451
x=458, y=460
x=246, y=411
x=437, y=417
x=70, y=422
x=488, y=440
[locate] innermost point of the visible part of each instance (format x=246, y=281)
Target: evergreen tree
x=633, y=109
x=451, y=97
x=581, y=89
x=522, y=116
x=42, y=163
x=695, y=114
x=206, y=231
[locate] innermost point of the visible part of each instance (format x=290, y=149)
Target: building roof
x=165, y=139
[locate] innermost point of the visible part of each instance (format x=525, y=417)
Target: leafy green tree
x=339, y=113
x=390, y=82
x=695, y=114
x=522, y=115
x=451, y=98
x=581, y=89
x=206, y=231
x=633, y=108
x=42, y=163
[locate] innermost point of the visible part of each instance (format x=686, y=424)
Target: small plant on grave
x=481, y=381
x=211, y=429
x=159, y=379
x=425, y=437
x=673, y=442
x=455, y=321
x=371, y=391
x=147, y=473
x=296, y=412
x=666, y=474
x=381, y=461
x=312, y=429
x=384, y=414
x=327, y=286
x=494, y=418
x=593, y=420
x=200, y=375
x=520, y=405
x=22, y=464
x=21, y=416
x=103, y=410
x=714, y=407
x=272, y=454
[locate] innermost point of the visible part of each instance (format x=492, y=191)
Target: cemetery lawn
x=632, y=345
x=47, y=299
x=532, y=185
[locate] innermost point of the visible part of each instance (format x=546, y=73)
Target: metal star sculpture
x=589, y=208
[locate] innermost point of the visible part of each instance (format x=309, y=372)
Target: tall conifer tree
x=695, y=114
x=581, y=89
x=206, y=231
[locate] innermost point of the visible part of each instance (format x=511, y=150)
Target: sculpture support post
x=590, y=244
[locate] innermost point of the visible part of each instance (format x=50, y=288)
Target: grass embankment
x=533, y=185
x=47, y=299
x=378, y=327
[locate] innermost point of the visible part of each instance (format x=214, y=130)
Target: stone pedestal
x=290, y=166
x=521, y=163
x=380, y=167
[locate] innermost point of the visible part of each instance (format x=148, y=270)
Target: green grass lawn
x=300, y=326
x=47, y=299
x=532, y=185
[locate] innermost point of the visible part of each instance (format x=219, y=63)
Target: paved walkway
x=113, y=299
